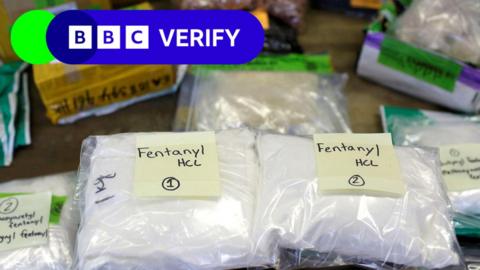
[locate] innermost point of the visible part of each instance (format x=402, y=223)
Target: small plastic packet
x=297, y=103
x=57, y=251
x=306, y=228
x=450, y=27
x=14, y=110
x=457, y=138
x=120, y=230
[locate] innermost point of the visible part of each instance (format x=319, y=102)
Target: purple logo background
x=248, y=43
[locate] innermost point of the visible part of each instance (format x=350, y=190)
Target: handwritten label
x=358, y=163
x=419, y=63
x=24, y=220
x=177, y=164
x=461, y=166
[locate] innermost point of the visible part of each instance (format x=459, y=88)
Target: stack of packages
x=238, y=198
x=14, y=110
x=281, y=24
x=428, y=49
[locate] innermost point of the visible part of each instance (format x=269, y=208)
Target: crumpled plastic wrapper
x=120, y=230
x=216, y=4
x=299, y=103
x=58, y=253
x=321, y=230
x=451, y=27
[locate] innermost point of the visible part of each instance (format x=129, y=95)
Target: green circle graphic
x=29, y=37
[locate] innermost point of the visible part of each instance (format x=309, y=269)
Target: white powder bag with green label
x=120, y=230
x=316, y=230
x=57, y=253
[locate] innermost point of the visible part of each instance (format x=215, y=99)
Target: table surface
x=56, y=148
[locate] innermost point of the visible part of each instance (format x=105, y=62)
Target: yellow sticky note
x=461, y=166
x=177, y=165
x=364, y=164
x=24, y=220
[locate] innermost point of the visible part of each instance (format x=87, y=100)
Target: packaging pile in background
x=14, y=110
x=293, y=94
x=403, y=50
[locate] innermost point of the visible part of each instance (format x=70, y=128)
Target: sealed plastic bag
x=415, y=230
x=57, y=254
x=122, y=231
x=451, y=27
x=414, y=127
x=283, y=102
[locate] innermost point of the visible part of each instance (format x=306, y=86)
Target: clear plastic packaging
x=441, y=132
x=299, y=103
x=316, y=230
x=451, y=27
x=122, y=231
x=58, y=253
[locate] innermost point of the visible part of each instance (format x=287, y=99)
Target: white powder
x=415, y=230
x=57, y=254
x=440, y=134
x=122, y=231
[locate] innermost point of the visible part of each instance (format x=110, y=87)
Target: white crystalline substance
x=415, y=230
x=448, y=133
x=58, y=253
x=128, y=232
x=298, y=103
x=448, y=26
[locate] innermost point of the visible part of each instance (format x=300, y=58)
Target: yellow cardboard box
x=67, y=90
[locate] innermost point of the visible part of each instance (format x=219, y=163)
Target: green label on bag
x=319, y=63
x=420, y=64
x=55, y=207
x=48, y=3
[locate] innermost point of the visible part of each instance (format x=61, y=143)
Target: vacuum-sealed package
x=298, y=103
x=38, y=223
x=320, y=229
x=121, y=230
x=451, y=27
x=456, y=137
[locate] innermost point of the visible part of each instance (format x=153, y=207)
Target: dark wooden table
x=56, y=148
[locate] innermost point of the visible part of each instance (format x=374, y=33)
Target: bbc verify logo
x=138, y=37
x=108, y=37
